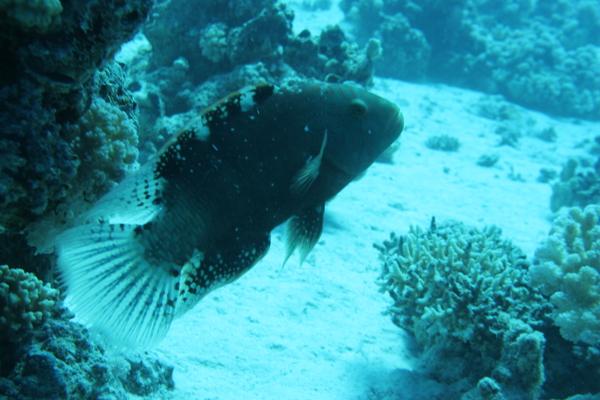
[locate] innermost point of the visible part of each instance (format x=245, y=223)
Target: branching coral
x=462, y=292
x=567, y=269
x=25, y=302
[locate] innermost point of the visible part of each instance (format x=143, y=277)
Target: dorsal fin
x=136, y=200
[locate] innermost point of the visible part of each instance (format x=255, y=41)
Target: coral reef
x=539, y=54
x=463, y=294
x=46, y=355
x=578, y=185
x=332, y=57
x=236, y=43
x=68, y=131
x=62, y=362
x=567, y=269
x=506, y=329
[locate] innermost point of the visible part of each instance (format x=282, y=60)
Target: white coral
x=567, y=269
x=25, y=302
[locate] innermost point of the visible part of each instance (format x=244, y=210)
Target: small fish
x=199, y=215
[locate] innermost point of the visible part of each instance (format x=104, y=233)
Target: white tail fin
x=112, y=287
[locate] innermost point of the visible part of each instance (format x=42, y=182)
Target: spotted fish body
x=200, y=214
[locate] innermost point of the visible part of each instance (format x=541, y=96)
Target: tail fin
x=112, y=287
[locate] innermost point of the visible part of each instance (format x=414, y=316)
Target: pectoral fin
x=304, y=178
x=303, y=232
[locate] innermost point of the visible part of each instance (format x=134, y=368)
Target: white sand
x=317, y=331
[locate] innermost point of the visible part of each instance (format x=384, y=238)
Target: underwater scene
x=303, y=199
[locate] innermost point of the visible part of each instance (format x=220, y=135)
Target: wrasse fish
x=199, y=215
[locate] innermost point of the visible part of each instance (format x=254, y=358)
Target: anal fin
x=303, y=232
x=224, y=263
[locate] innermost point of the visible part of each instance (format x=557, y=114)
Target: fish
x=199, y=214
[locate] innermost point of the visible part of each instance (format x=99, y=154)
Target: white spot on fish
x=202, y=132
x=246, y=100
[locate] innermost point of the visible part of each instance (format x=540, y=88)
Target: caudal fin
x=112, y=287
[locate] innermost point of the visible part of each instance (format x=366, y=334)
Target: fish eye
x=358, y=107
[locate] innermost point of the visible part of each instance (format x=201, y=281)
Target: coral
x=463, y=294
x=30, y=14
x=62, y=362
x=547, y=135
x=406, y=52
x=579, y=185
x=488, y=160
x=225, y=35
x=213, y=42
x=443, y=143
x=49, y=79
x=546, y=175
x=47, y=178
x=509, y=134
x=539, y=55
x=567, y=269
x=226, y=39
x=332, y=57
x=43, y=354
x=142, y=376
x=25, y=302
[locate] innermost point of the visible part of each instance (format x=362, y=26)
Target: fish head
x=361, y=125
